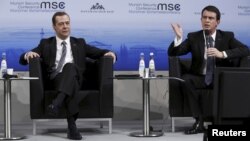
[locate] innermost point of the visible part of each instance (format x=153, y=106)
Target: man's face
x=209, y=21
x=62, y=26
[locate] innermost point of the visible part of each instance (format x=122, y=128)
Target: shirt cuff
x=177, y=41
x=25, y=55
x=224, y=54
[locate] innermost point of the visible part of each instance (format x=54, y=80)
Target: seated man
x=209, y=47
x=65, y=60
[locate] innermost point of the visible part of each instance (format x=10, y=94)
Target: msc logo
x=52, y=5
x=97, y=6
x=169, y=7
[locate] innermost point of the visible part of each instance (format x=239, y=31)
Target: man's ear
x=218, y=22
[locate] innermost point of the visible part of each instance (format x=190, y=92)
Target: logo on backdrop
x=168, y=7
x=154, y=8
x=98, y=8
x=52, y=5
x=31, y=6
x=243, y=10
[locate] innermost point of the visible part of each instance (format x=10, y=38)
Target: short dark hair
x=61, y=13
x=214, y=9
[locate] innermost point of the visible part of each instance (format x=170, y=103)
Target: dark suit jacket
x=80, y=50
x=195, y=44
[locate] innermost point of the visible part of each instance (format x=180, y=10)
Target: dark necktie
x=210, y=63
x=61, y=61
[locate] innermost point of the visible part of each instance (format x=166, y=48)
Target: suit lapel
x=201, y=44
x=218, y=40
x=74, y=50
x=52, y=48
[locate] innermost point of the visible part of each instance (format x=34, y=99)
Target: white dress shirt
x=69, y=56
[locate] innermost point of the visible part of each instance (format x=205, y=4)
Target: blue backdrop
x=127, y=27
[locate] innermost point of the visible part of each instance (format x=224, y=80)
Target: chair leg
x=110, y=126
x=34, y=127
x=101, y=124
x=173, y=124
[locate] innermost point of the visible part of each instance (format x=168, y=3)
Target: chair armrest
x=245, y=61
x=36, y=88
x=105, y=66
x=177, y=101
x=231, y=93
x=175, y=96
x=174, y=66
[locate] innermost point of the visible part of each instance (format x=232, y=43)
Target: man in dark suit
x=64, y=59
x=209, y=48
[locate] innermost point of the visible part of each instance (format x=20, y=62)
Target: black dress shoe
x=197, y=128
x=74, y=134
x=53, y=110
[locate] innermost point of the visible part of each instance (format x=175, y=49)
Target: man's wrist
x=224, y=54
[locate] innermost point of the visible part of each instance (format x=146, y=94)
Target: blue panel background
x=121, y=26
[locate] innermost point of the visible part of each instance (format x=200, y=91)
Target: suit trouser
x=189, y=88
x=68, y=82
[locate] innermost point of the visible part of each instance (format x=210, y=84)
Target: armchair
x=178, y=104
x=96, y=95
x=231, y=95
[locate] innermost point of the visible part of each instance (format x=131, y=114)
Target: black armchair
x=231, y=95
x=178, y=104
x=96, y=95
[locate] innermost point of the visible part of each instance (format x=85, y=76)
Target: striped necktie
x=210, y=64
x=61, y=61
